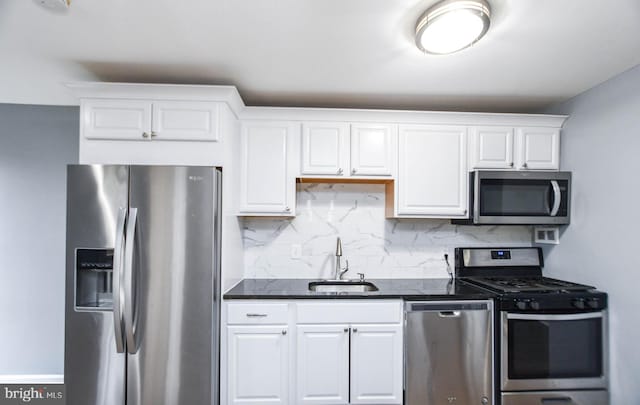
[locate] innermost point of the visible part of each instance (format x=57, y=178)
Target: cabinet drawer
x=257, y=313
x=350, y=312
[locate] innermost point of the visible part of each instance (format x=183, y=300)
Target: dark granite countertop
x=409, y=289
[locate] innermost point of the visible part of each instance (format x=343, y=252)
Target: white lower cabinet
x=322, y=362
x=257, y=365
x=330, y=352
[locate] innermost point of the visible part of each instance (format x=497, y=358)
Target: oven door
x=554, y=351
x=521, y=197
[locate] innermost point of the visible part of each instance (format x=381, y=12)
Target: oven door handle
x=554, y=317
x=557, y=198
x=553, y=400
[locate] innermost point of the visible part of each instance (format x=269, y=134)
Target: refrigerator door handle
x=119, y=247
x=129, y=299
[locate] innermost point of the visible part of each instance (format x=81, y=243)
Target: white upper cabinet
x=127, y=120
x=517, y=148
x=185, y=120
x=539, y=148
x=325, y=148
x=267, y=178
x=432, y=176
x=491, y=147
x=372, y=149
x=145, y=120
x=335, y=149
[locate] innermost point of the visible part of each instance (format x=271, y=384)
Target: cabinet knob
x=284, y=331
x=346, y=330
x=355, y=330
x=524, y=166
x=154, y=134
x=511, y=164
x=340, y=171
x=353, y=171
x=145, y=135
x=464, y=212
x=287, y=209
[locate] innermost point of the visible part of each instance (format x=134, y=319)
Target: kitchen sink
x=342, y=286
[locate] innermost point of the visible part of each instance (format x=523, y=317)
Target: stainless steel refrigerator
x=142, y=285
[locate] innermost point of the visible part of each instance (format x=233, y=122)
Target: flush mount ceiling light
x=452, y=25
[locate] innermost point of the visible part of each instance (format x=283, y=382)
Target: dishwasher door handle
x=449, y=314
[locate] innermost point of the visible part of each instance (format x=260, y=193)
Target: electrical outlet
x=296, y=251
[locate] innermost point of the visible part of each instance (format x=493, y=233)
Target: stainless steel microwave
x=519, y=197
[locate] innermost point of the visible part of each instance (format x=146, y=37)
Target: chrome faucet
x=339, y=270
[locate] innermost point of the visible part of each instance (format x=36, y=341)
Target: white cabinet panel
x=257, y=365
x=325, y=148
x=267, y=183
x=491, y=147
x=372, y=147
x=116, y=119
x=376, y=364
x=322, y=375
x=432, y=176
x=539, y=148
x=185, y=121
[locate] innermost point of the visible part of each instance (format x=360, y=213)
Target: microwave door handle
x=557, y=198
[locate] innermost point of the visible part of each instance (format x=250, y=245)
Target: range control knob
x=593, y=303
x=578, y=303
x=535, y=305
x=522, y=304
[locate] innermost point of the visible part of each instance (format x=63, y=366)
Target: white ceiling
x=335, y=53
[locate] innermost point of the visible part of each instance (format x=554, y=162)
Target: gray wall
x=36, y=144
x=601, y=145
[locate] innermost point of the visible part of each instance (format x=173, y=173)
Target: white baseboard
x=31, y=379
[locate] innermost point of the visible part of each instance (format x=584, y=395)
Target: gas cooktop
x=515, y=284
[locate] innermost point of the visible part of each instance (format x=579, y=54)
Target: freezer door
x=171, y=276
x=94, y=372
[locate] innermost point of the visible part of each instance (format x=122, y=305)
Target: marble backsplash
x=374, y=245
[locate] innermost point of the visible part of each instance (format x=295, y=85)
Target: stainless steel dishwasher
x=449, y=353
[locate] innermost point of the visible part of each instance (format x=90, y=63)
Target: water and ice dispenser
x=94, y=279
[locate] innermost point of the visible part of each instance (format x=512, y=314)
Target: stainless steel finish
x=339, y=270
x=128, y=276
x=557, y=198
x=451, y=356
x=533, y=175
x=94, y=371
x=588, y=397
x=340, y=171
x=551, y=383
x=342, y=286
x=519, y=257
x=176, y=292
x=118, y=256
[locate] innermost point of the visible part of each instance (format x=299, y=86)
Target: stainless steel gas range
x=551, y=335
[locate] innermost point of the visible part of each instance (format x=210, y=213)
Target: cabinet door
x=432, y=176
x=267, y=182
x=376, y=364
x=539, y=148
x=322, y=375
x=491, y=147
x=116, y=119
x=185, y=121
x=325, y=148
x=257, y=365
x=372, y=149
